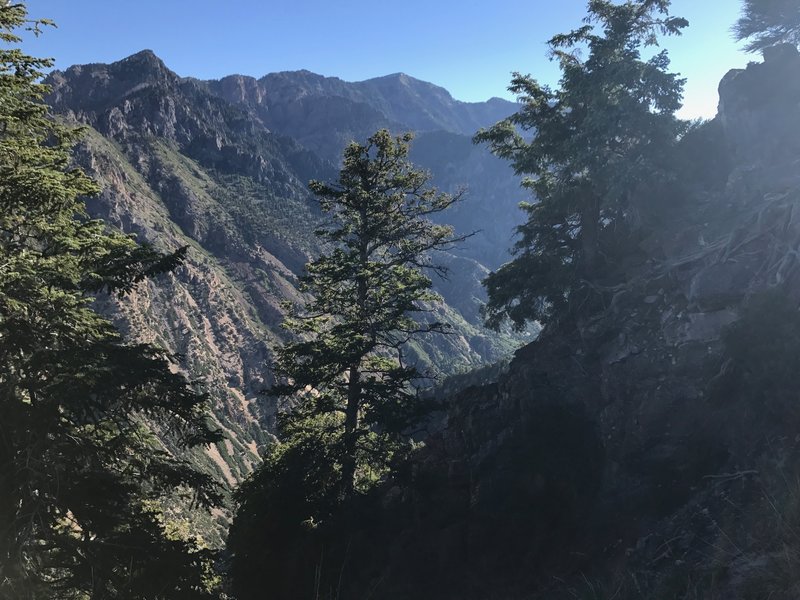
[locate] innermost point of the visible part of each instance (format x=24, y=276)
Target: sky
x=469, y=47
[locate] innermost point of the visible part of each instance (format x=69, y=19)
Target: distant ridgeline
x=223, y=167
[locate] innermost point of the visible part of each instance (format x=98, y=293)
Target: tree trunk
x=354, y=372
x=350, y=431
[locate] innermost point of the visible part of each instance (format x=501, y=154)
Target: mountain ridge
x=291, y=102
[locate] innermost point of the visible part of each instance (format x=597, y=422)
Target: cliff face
x=181, y=166
x=649, y=449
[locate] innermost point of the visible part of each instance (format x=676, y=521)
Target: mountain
x=324, y=113
x=648, y=448
x=188, y=163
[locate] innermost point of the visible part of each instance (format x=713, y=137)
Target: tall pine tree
x=81, y=477
x=584, y=147
x=350, y=371
x=350, y=389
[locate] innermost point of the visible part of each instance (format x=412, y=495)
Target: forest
x=296, y=337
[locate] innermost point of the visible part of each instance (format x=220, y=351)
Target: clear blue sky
x=469, y=47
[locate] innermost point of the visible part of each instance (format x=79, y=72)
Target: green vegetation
x=349, y=373
x=602, y=133
x=83, y=480
x=766, y=23
x=351, y=391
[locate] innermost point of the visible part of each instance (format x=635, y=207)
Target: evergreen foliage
x=351, y=392
x=81, y=475
x=348, y=374
x=585, y=148
x=766, y=23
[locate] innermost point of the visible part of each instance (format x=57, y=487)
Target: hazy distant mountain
x=324, y=113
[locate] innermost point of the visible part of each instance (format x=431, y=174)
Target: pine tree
x=349, y=369
x=767, y=23
x=584, y=147
x=81, y=477
x=350, y=389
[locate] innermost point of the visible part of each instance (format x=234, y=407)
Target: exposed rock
x=758, y=107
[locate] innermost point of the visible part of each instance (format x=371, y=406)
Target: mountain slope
x=180, y=166
x=325, y=113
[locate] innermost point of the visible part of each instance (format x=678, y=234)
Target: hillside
x=180, y=166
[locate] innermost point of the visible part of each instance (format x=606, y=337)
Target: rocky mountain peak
x=145, y=61
x=404, y=80
x=400, y=79
x=94, y=87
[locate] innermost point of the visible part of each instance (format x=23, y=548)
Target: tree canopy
x=584, y=147
x=82, y=476
x=766, y=23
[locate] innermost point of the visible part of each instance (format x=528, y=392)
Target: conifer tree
x=81, y=477
x=348, y=369
x=351, y=392
x=584, y=147
x=766, y=23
